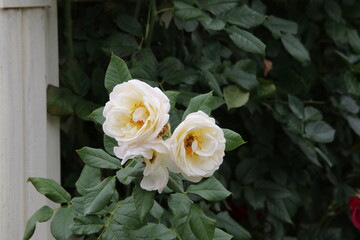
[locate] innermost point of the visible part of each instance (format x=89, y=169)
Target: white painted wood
x=29, y=138
x=24, y=3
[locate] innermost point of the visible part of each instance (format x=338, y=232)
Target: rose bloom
x=156, y=159
x=136, y=112
x=354, y=205
x=197, y=146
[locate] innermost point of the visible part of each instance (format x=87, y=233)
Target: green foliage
x=51, y=190
x=201, y=225
x=41, y=215
x=116, y=73
x=210, y=189
x=284, y=74
x=233, y=139
x=98, y=158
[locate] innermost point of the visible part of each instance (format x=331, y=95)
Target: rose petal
x=156, y=180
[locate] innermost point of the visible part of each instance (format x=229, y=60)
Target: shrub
x=284, y=74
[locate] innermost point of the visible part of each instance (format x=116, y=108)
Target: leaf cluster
x=284, y=74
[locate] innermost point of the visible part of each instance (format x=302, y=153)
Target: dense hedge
x=284, y=73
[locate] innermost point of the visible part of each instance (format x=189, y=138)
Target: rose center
x=191, y=144
x=139, y=116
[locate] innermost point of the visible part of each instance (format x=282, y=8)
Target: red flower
x=354, y=205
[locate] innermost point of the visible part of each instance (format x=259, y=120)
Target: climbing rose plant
x=117, y=199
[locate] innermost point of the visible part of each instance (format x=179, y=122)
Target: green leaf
x=354, y=40
x=296, y=106
x=189, y=76
x=308, y=150
x=352, y=84
x=115, y=232
x=60, y=224
x=213, y=83
x=41, y=215
x=176, y=182
x=51, y=189
x=127, y=215
x=277, y=26
x=98, y=197
x=130, y=172
x=295, y=48
x=116, y=73
x=323, y=156
x=256, y=198
x=278, y=209
x=119, y=44
x=172, y=95
x=210, y=189
x=235, y=96
x=153, y=231
x=243, y=16
x=224, y=221
x=272, y=190
x=333, y=9
x=349, y=105
x=320, y=131
x=218, y=6
x=266, y=90
x=221, y=235
x=170, y=65
x=179, y=204
x=74, y=78
x=98, y=158
x=144, y=201
x=246, y=41
x=129, y=24
x=109, y=144
x=157, y=211
x=212, y=24
x=312, y=114
x=233, y=139
x=87, y=225
x=60, y=101
x=203, y=102
x=245, y=79
x=84, y=108
x=97, y=116
x=185, y=11
x=247, y=171
x=335, y=30
x=201, y=225
x=89, y=177
x=354, y=123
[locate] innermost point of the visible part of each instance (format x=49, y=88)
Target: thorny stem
x=150, y=23
x=137, y=9
x=164, y=10
x=330, y=212
x=108, y=221
x=68, y=28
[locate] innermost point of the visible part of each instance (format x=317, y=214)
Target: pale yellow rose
x=156, y=159
x=197, y=146
x=136, y=112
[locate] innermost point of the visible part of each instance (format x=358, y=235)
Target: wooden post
x=29, y=138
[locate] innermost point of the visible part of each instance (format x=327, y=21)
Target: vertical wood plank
x=24, y=3
x=29, y=138
x=11, y=127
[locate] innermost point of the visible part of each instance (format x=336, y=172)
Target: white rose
x=156, y=159
x=197, y=146
x=136, y=112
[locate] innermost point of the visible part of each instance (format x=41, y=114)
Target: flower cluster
x=137, y=117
